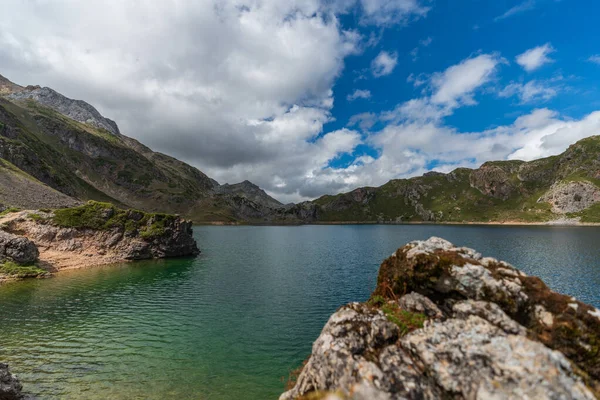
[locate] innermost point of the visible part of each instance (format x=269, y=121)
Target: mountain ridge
x=70, y=147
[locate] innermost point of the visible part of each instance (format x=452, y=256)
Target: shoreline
x=471, y=223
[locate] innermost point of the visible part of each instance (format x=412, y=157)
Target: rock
x=417, y=303
x=491, y=312
x=571, y=197
x=491, y=332
x=10, y=387
x=77, y=110
x=492, y=180
x=472, y=359
x=126, y=237
x=18, y=249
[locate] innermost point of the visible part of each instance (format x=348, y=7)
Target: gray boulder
x=10, y=387
x=18, y=249
x=446, y=322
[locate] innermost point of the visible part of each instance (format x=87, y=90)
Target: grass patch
x=36, y=217
x=105, y=216
x=20, y=271
x=9, y=210
x=405, y=320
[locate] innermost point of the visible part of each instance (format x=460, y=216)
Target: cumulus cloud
x=363, y=120
x=457, y=83
x=415, y=134
x=530, y=92
x=384, y=63
x=240, y=89
x=359, y=94
x=534, y=58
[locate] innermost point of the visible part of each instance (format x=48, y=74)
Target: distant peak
x=8, y=87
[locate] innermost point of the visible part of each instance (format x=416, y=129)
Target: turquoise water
x=232, y=322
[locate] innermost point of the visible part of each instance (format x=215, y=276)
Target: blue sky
x=313, y=97
x=453, y=31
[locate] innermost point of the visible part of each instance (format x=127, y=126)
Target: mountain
x=561, y=187
x=24, y=191
x=67, y=145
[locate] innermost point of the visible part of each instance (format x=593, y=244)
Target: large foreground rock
x=445, y=322
x=17, y=248
x=10, y=387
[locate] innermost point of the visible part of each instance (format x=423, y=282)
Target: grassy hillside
x=496, y=192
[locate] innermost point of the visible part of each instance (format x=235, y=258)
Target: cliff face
x=445, y=322
x=93, y=234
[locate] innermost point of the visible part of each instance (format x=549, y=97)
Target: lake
x=234, y=321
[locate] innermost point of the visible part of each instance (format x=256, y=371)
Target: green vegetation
x=589, y=215
x=20, y=271
x=104, y=216
x=405, y=320
x=36, y=217
x=9, y=210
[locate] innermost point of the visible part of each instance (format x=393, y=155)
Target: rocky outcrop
x=446, y=322
x=10, y=387
x=491, y=180
x=571, y=197
x=77, y=110
x=17, y=249
x=106, y=235
x=7, y=87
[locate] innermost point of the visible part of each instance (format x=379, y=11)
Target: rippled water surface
x=231, y=323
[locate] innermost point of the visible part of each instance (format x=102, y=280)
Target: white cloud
x=240, y=89
x=415, y=133
x=518, y=9
x=384, y=63
x=359, y=94
x=388, y=12
x=457, y=83
x=595, y=59
x=365, y=121
x=422, y=43
x=530, y=92
x=534, y=58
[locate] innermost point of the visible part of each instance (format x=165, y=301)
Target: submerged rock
x=10, y=387
x=446, y=322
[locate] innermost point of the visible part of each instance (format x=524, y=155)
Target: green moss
x=405, y=320
x=104, y=216
x=21, y=271
x=36, y=217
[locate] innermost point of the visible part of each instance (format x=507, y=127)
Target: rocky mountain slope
x=445, y=322
x=34, y=243
x=559, y=187
x=69, y=146
x=19, y=189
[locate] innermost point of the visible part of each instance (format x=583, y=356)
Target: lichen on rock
x=491, y=331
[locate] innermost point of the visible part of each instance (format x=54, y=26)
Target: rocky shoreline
x=39, y=243
x=446, y=322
